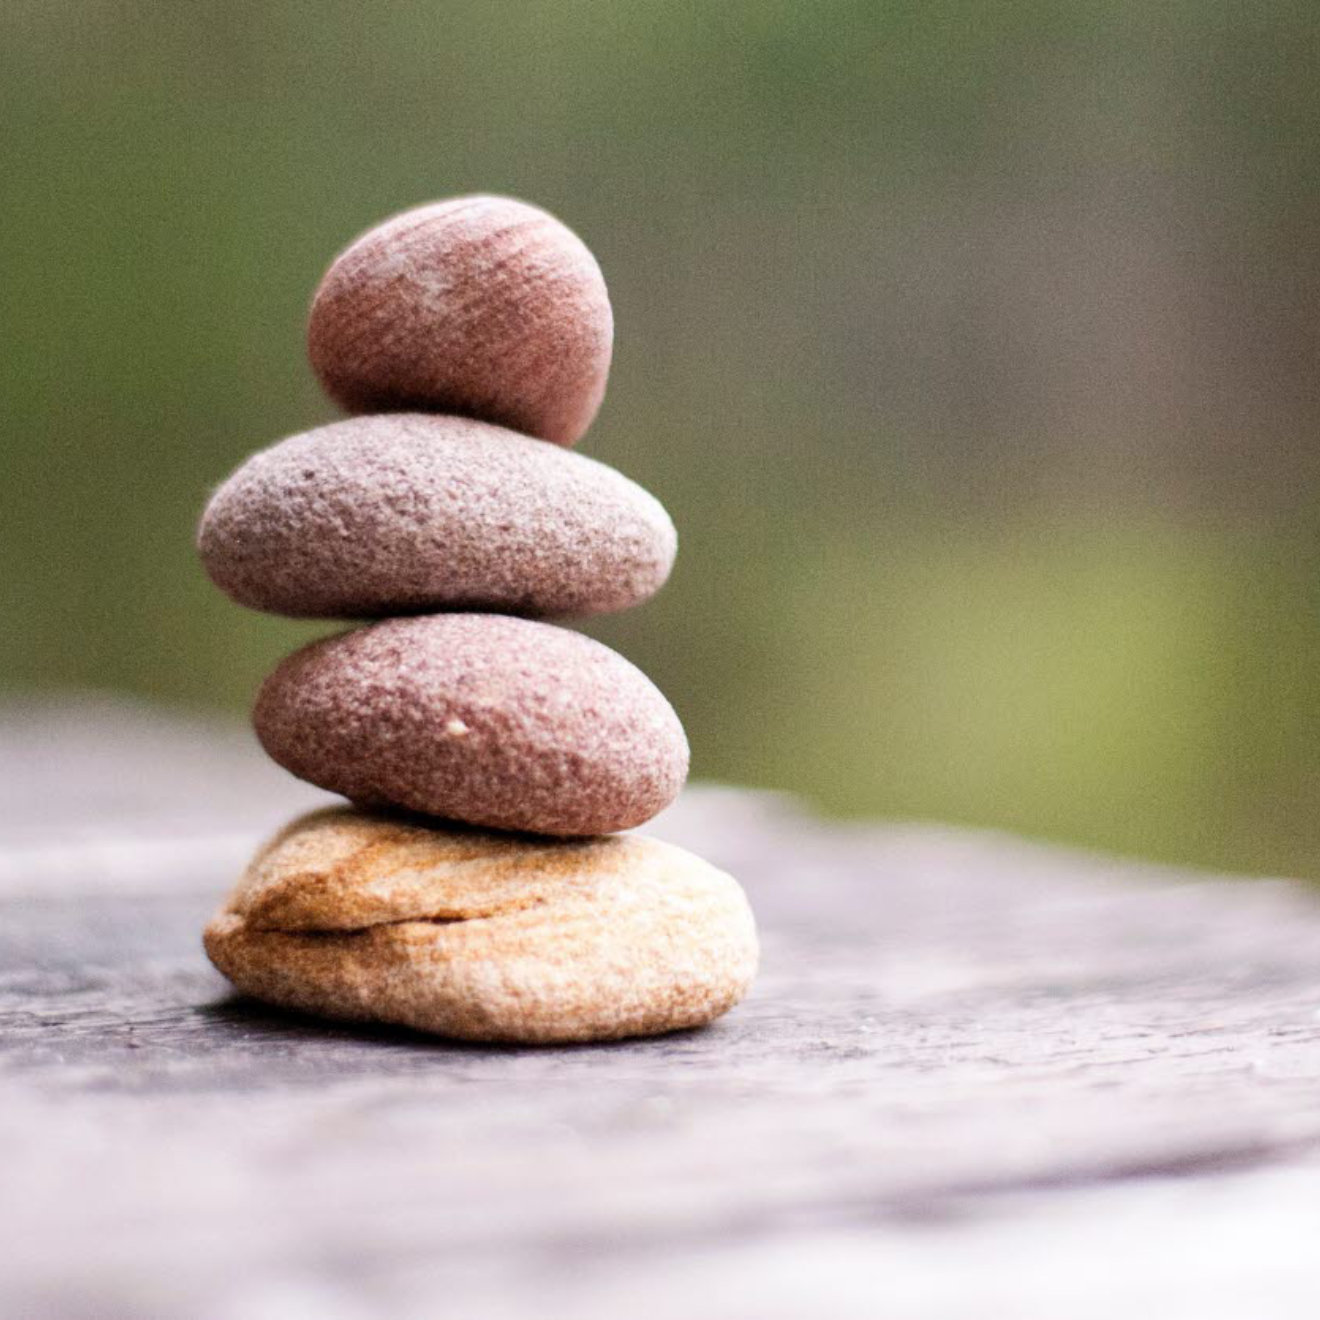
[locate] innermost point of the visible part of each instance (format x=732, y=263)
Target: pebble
x=369, y=917
x=406, y=513
x=477, y=888
x=483, y=306
x=483, y=718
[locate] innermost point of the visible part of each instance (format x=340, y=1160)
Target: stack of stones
x=478, y=887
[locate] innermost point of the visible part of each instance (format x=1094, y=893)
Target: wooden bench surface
x=977, y=1077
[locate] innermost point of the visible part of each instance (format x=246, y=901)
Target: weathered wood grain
x=977, y=1077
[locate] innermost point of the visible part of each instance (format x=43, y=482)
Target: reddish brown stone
x=482, y=718
x=483, y=306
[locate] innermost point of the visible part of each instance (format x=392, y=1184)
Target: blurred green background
x=972, y=346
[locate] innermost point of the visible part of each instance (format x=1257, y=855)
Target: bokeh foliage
x=973, y=348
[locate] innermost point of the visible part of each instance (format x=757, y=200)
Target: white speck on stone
x=456, y=729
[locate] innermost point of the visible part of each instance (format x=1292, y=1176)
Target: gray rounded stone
x=406, y=513
x=482, y=718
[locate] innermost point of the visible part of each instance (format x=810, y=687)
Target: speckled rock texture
x=483, y=306
x=483, y=718
x=405, y=513
x=484, y=937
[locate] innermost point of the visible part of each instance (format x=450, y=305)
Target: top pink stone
x=482, y=306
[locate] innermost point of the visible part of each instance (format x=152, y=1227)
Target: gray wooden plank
x=964, y=1051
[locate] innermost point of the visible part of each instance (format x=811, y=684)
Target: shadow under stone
x=252, y=1021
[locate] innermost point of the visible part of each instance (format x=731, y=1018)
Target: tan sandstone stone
x=365, y=916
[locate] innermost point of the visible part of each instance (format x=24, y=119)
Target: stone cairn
x=478, y=886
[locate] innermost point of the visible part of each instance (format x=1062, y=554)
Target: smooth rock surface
x=405, y=513
x=484, y=306
x=482, y=718
x=475, y=936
